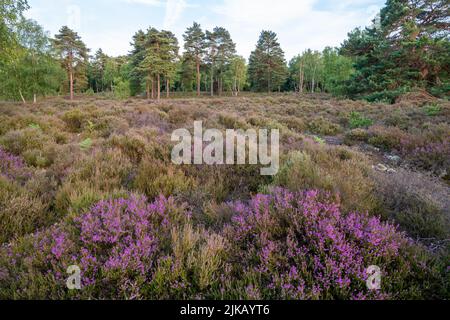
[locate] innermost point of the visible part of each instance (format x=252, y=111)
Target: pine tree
x=169, y=56
x=73, y=55
x=137, y=74
x=407, y=46
x=161, y=53
x=195, y=46
x=97, y=70
x=221, y=49
x=267, y=66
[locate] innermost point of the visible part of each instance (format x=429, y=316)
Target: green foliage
x=155, y=178
x=221, y=49
x=73, y=58
x=323, y=126
x=122, y=90
x=432, y=110
x=86, y=144
x=407, y=47
x=32, y=71
x=195, y=46
x=267, y=66
x=359, y=121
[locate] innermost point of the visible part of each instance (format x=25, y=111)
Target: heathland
x=90, y=183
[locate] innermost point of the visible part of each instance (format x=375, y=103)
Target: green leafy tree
x=32, y=70
x=337, y=69
x=73, y=56
x=267, y=66
x=10, y=18
x=195, y=48
x=237, y=74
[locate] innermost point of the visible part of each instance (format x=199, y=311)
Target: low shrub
x=13, y=167
x=387, y=138
x=106, y=173
x=231, y=122
x=19, y=141
x=416, y=203
x=432, y=110
x=328, y=168
x=358, y=121
x=323, y=126
x=433, y=157
x=154, y=178
x=116, y=244
x=356, y=135
x=302, y=246
x=20, y=212
x=75, y=119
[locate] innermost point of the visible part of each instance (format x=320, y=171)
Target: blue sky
x=300, y=24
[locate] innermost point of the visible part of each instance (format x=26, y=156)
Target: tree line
x=406, y=47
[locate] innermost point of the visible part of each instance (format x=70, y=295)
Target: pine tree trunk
x=302, y=78
x=212, y=82
x=159, y=87
x=269, y=84
x=71, y=84
x=167, y=88
x=34, y=98
x=198, y=78
x=147, y=89
x=153, y=89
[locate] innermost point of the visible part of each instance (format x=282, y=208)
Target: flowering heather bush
x=434, y=157
x=12, y=167
x=116, y=245
x=301, y=246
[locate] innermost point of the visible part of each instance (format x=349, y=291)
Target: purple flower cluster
x=303, y=247
x=121, y=236
x=116, y=244
x=12, y=166
x=432, y=156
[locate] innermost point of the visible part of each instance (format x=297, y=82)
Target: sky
x=300, y=24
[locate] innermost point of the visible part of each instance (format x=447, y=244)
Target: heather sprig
x=13, y=167
x=302, y=246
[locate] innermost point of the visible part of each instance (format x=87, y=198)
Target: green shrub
x=20, y=212
x=75, y=120
x=356, y=135
x=107, y=172
x=154, y=178
x=333, y=169
x=323, y=126
x=20, y=141
x=432, y=110
x=122, y=90
x=358, y=121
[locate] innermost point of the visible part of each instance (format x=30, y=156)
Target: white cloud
x=300, y=24
x=174, y=10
